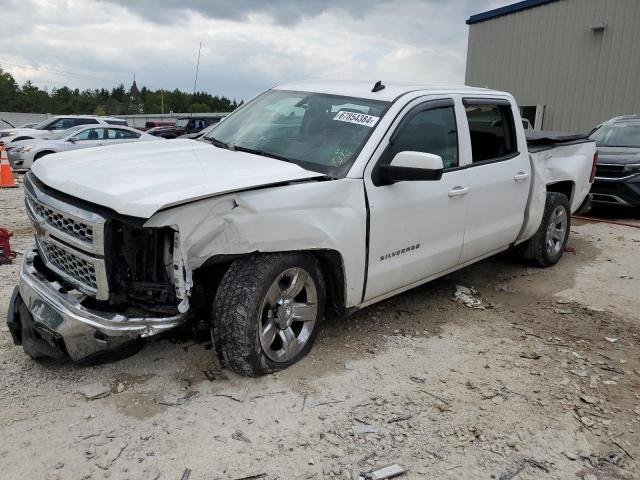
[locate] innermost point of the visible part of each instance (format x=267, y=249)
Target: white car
x=314, y=198
x=22, y=154
x=53, y=124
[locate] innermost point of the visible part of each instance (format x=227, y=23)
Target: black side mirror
x=412, y=166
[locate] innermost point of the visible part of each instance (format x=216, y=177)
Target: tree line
x=29, y=98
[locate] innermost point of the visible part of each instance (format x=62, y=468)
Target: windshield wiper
x=218, y=143
x=262, y=153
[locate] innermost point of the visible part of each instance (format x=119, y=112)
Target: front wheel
x=267, y=312
x=547, y=246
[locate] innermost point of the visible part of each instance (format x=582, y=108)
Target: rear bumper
x=617, y=192
x=54, y=322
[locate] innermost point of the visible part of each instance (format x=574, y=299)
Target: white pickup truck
x=314, y=198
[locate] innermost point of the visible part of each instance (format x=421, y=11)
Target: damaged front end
x=94, y=280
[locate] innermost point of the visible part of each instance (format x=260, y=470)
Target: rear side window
x=429, y=131
x=492, y=131
x=119, y=134
x=85, y=121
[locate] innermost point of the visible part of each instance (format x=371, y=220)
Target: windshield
x=181, y=122
x=63, y=133
x=319, y=132
x=623, y=134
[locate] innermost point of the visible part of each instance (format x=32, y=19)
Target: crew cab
x=313, y=199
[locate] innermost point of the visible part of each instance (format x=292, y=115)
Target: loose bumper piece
x=52, y=321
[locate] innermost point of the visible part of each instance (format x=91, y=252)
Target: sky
x=247, y=45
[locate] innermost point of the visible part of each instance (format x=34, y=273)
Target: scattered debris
x=111, y=456
x=400, y=418
x=436, y=397
x=587, y=422
x=579, y=373
x=93, y=391
x=176, y=401
x=390, y=471
x=415, y=379
x=319, y=403
x=363, y=429
x=530, y=355
x=623, y=449
x=589, y=399
x=186, y=474
x=238, y=397
x=253, y=477
x=468, y=297
x=563, y=311
x=610, y=339
x=241, y=437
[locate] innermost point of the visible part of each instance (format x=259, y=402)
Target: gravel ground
x=529, y=387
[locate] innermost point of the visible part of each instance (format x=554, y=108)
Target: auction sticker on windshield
x=357, y=118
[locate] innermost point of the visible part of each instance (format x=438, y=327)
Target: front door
x=416, y=227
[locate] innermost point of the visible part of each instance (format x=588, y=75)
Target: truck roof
x=392, y=90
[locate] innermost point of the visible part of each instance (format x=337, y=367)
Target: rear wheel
x=267, y=312
x=546, y=247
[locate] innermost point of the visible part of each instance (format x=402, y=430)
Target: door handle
x=458, y=191
x=520, y=176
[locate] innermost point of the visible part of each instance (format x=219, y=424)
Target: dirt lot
x=543, y=383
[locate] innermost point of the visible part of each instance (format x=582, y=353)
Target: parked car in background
x=53, y=124
x=185, y=125
x=157, y=123
x=25, y=152
x=316, y=197
x=617, y=178
x=28, y=125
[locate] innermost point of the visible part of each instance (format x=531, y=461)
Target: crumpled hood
x=620, y=155
x=138, y=179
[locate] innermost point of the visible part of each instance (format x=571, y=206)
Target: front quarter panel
x=311, y=215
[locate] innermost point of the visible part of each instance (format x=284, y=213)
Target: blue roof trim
x=499, y=12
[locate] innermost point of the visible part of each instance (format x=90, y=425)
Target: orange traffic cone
x=6, y=174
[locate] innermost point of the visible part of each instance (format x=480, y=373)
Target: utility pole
x=162, y=102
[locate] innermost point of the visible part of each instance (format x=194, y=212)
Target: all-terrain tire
x=236, y=312
x=535, y=249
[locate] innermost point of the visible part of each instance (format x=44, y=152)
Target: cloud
x=247, y=46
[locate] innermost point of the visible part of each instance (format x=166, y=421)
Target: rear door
x=416, y=227
x=498, y=177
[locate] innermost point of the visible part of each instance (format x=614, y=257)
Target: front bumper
x=44, y=316
x=624, y=191
x=19, y=161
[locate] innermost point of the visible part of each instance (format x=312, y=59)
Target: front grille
x=65, y=261
x=70, y=240
x=62, y=222
x=611, y=171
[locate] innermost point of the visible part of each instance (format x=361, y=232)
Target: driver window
x=430, y=131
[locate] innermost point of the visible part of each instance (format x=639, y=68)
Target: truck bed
x=539, y=140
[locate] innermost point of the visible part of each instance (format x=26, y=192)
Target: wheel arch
x=566, y=187
x=43, y=153
x=208, y=276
